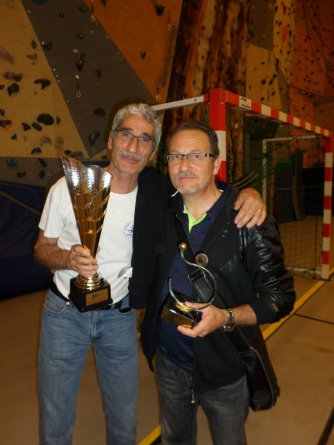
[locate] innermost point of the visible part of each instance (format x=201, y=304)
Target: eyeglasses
x=127, y=138
x=177, y=158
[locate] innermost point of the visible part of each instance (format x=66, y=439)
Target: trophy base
x=87, y=300
x=171, y=312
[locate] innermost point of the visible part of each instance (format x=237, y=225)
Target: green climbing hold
x=21, y=174
x=45, y=119
x=36, y=150
x=44, y=82
x=36, y=126
x=41, y=174
x=99, y=112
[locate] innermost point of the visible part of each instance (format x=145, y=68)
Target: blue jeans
x=66, y=335
x=226, y=407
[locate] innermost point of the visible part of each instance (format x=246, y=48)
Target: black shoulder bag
x=261, y=378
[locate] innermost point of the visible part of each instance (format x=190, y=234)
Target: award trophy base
x=87, y=300
x=178, y=314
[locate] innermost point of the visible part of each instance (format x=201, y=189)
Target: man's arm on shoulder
x=251, y=209
x=48, y=254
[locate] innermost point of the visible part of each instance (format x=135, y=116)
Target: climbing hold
x=36, y=126
x=12, y=76
x=104, y=156
x=6, y=56
x=33, y=44
x=45, y=140
x=61, y=15
x=41, y=174
x=77, y=154
x=67, y=152
x=33, y=58
x=36, y=150
x=45, y=119
x=143, y=55
x=98, y=73
x=47, y=45
x=79, y=35
x=5, y=123
x=21, y=174
x=83, y=8
x=44, y=82
x=12, y=162
x=159, y=9
x=79, y=63
x=2, y=112
x=2, y=87
x=13, y=88
x=59, y=142
x=99, y=112
x=42, y=162
x=25, y=126
x=14, y=136
x=93, y=136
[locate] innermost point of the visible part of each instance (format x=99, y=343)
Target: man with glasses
x=210, y=277
x=126, y=259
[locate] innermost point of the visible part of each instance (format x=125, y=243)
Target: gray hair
x=140, y=109
x=191, y=124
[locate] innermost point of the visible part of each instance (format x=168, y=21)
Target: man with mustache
x=126, y=259
x=196, y=362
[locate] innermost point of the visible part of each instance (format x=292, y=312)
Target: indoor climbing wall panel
x=34, y=116
x=269, y=53
x=312, y=81
x=145, y=32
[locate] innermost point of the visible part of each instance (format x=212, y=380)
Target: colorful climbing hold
x=13, y=88
x=12, y=76
x=12, y=162
x=45, y=119
x=4, y=123
x=99, y=112
x=25, y=126
x=36, y=150
x=36, y=126
x=42, y=162
x=79, y=63
x=44, y=82
x=93, y=136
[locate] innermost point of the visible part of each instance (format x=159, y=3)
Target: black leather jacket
x=248, y=265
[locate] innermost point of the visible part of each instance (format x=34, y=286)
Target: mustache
x=186, y=174
x=125, y=154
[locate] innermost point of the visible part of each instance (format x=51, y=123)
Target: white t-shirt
x=58, y=221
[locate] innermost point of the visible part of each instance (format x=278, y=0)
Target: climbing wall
x=63, y=75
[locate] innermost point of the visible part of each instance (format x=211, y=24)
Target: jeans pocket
x=124, y=310
x=55, y=305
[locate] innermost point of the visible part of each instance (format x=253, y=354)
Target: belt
x=56, y=291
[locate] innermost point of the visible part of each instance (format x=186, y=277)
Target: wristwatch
x=229, y=324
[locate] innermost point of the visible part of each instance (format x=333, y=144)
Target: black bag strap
x=236, y=336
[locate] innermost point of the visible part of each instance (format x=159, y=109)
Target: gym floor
x=302, y=352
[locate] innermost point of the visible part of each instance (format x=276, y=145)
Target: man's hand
x=212, y=319
x=80, y=260
x=252, y=210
